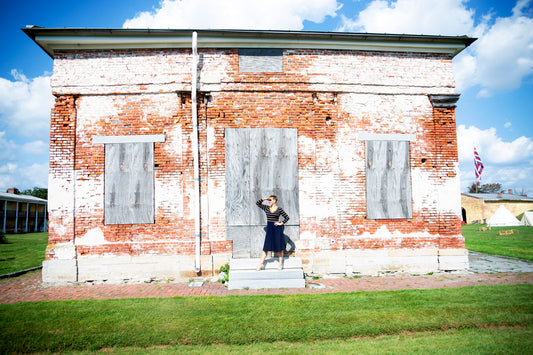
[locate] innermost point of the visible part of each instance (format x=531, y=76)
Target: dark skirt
x=274, y=239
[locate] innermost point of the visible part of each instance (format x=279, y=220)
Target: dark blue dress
x=274, y=239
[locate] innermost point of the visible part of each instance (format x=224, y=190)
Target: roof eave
x=52, y=40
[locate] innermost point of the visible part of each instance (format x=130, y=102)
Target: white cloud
x=7, y=147
x=508, y=163
x=436, y=17
x=23, y=177
x=507, y=124
x=35, y=147
x=499, y=60
x=492, y=148
x=8, y=168
x=23, y=166
x=35, y=175
x=25, y=105
x=503, y=55
x=234, y=14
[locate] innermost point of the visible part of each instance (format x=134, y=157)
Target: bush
x=3, y=239
x=225, y=269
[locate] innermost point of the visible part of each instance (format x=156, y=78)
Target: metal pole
x=195, y=147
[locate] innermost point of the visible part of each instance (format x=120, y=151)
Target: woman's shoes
x=260, y=267
x=280, y=267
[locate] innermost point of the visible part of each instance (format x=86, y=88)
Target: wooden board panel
x=257, y=240
x=388, y=180
x=260, y=60
x=288, y=173
x=238, y=199
x=241, y=240
x=270, y=165
x=264, y=171
x=129, y=183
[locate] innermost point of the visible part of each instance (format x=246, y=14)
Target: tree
x=491, y=188
x=485, y=188
x=474, y=189
x=39, y=192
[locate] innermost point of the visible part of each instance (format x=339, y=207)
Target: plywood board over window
x=260, y=60
x=388, y=179
x=129, y=183
x=129, y=178
x=259, y=162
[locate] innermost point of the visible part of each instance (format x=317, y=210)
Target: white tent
x=527, y=218
x=503, y=218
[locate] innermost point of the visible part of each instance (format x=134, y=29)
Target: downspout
x=195, y=148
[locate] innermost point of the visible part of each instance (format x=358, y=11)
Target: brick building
x=161, y=142
x=22, y=213
x=480, y=207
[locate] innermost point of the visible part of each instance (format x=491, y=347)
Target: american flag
x=478, y=164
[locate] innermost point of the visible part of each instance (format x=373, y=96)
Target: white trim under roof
x=52, y=40
x=146, y=138
x=385, y=137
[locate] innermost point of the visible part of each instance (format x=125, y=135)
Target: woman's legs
x=280, y=266
x=263, y=257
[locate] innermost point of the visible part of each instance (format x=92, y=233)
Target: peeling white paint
x=169, y=195
x=444, y=197
x=90, y=194
x=91, y=109
x=61, y=194
x=383, y=233
x=391, y=70
x=217, y=197
x=93, y=237
x=422, y=190
x=449, y=194
x=211, y=138
x=174, y=142
x=64, y=251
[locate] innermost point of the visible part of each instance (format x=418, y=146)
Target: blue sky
x=494, y=76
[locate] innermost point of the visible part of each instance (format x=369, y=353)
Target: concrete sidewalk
x=485, y=263
x=484, y=270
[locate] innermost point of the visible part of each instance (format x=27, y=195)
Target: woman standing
x=274, y=240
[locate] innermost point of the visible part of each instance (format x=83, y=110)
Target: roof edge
x=54, y=39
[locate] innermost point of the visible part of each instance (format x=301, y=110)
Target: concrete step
x=270, y=263
x=243, y=274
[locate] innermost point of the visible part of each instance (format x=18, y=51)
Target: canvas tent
x=527, y=218
x=503, y=218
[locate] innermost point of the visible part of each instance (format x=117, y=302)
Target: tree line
x=39, y=192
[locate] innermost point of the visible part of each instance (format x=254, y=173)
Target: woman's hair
x=274, y=197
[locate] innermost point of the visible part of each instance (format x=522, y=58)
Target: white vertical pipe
x=16, y=219
x=195, y=148
x=36, y=217
x=5, y=218
x=27, y=215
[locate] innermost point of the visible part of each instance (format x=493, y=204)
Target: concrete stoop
x=243, y=274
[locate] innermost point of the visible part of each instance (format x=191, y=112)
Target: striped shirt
x=273, y=216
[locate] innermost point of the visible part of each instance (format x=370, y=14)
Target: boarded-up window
x=260, y=60
x=259, y=162
x=388, y=180
x=129, y=183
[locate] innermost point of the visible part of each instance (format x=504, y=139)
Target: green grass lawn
x=517, y=245
x=462, y=341
x=22, y=252
x=494, y=319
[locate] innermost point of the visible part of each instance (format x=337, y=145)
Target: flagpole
x=478, y=168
